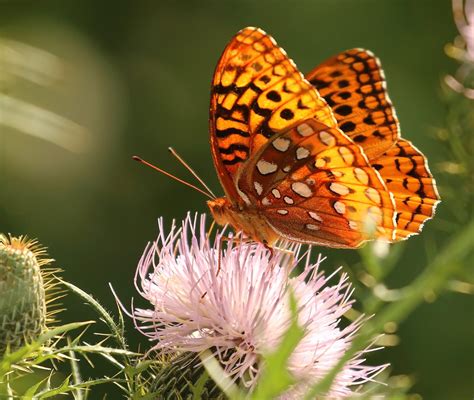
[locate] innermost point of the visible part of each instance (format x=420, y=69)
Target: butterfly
x=316, y=159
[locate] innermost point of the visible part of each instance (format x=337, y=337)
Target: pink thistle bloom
x=235, y=302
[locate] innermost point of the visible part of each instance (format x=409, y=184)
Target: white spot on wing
x=302, y=152
x=315, y=216
x=288, y=200
x=339, y=188
x=320, y=163
x=312, y=227
x=266, y=201
x=258, y=188
x=373, y=195
x=265, y=167
x=327, y=138
x=281, y=144
x=302, y=189
x=282, y=212
x=276, y=193
x=346, y=155
x=243, y=196
x=374, y=214
x=304, y=129
x=340, y=207
x=353, y=225
x=361, y=175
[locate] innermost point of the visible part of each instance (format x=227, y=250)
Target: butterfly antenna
x=172, y=176
x=186, y=165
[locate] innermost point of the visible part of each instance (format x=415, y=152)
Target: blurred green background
x=133, y=77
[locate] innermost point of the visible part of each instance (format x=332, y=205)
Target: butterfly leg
x=270, y=249
x=289, y=255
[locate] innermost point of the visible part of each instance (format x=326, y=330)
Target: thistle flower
x=463, y=49
x=235, y=302
x=26, y=289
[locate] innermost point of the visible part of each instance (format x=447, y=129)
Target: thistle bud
x=23, y=291
x=176, y=375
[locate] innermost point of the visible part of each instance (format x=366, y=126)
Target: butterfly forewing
x=257, y=91
x=313, y=183
x=353, y=84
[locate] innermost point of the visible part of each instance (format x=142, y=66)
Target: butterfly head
x=245, y=219
x=221, y=208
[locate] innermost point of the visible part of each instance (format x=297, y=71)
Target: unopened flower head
x=235, y=302
x=28, y=289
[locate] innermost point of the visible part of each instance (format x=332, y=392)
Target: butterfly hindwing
x=407, y=176
x=313, y=184
x=256, y=91
x=353, y=84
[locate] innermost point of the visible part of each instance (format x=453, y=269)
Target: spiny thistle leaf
x=26, y=351
x=117, y=330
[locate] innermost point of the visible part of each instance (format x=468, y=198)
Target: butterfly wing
x=256, y=91
x=353, y=84
x=406, y=173
x=313, y=184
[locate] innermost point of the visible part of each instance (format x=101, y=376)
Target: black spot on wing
x=319, y=84
x=233, y=148
x=223, y=133
x=378, y=167
x=274, y=96
x=344, y=110
x=348, y=126
x=359, y=138
x=287, y=114
x=263, y=112
x=343, y=83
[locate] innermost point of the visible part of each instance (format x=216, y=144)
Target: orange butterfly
x=314, y=160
